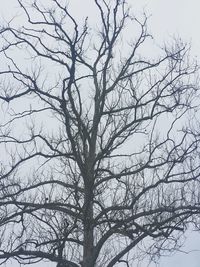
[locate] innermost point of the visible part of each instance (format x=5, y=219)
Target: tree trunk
x=88, y=247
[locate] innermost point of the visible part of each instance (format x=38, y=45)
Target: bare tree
x=98, y=160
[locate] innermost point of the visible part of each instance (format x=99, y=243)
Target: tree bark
x=88, y=247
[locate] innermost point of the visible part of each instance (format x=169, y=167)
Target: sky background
x=169, y=18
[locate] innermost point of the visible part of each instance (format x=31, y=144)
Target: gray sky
x=169, y=18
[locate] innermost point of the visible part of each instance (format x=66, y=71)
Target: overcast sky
x=169, y=18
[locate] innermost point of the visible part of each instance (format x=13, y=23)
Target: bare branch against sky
x=100, y=141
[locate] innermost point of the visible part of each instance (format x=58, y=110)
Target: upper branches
x=98, y=150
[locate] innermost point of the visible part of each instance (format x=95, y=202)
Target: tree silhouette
x=100, y=163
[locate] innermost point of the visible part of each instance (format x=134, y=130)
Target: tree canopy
x=99, y=138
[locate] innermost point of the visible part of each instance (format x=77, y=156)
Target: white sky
x=169, y=17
